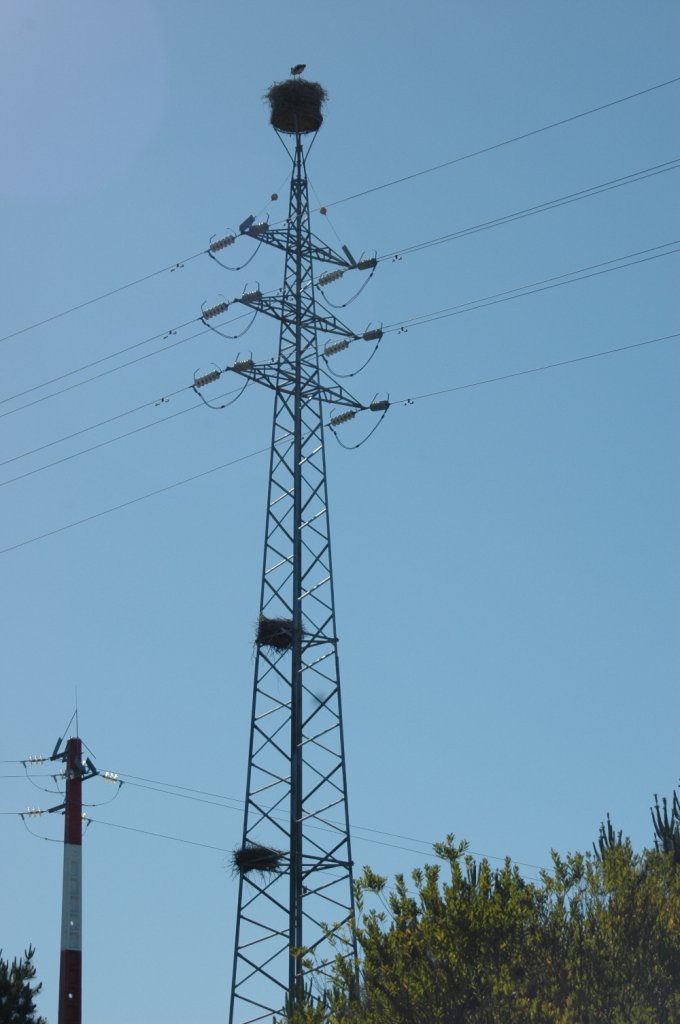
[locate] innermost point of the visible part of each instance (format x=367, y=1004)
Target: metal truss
x=295, y=865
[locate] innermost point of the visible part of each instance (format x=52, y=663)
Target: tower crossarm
x=286, y=311
x=280, y=379
x=317, y=249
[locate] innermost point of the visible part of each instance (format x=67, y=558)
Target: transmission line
x=260, y=451
x=397, y=253
x=506, y=142
x=550, y=204
x=357, y=195
x=235, y=804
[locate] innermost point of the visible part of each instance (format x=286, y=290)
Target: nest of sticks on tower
x=296, y=106
x=277, y=634
x=253, y=857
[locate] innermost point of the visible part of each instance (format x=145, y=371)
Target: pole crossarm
x=276, y=378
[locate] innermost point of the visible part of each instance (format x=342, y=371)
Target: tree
x=17, y=992
x=595, y=940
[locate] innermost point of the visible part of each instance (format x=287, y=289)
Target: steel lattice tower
x=294, y=864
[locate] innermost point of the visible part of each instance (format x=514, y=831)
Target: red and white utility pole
x=70, y=968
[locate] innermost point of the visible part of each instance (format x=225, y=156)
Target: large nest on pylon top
x=296, y=106
x=277, y=634
x=253, y=857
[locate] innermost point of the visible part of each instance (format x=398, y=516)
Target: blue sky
x=506, y=555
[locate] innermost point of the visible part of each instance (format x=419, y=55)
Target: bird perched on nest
x=297, y=69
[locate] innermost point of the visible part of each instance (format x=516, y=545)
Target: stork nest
x=277, y=634
x=253, y=857
x=296, y=106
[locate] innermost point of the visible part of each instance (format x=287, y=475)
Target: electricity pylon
x=295, y=899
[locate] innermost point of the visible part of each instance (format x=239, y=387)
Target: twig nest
x=277, y=634
x=254, y=857
x=296, y=106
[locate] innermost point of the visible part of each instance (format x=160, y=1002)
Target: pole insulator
x=367, y=264
x=374, y=335
x=379, y=406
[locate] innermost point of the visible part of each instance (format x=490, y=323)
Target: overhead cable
x=105, y=295
x=376, y=188
x=261, y=451
x=507, y=142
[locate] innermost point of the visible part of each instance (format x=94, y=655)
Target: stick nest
x=296, y=106
x=254, y=857
x=276, y=634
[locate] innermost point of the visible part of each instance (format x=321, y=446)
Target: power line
x=401, y=326
x=550, y=204
x=534, y=369
x=111, y=440
x=200, y=796
x=105, y=295
x=408, y=250
x=98, y=362
x=261, y=451
x=94, y=426
x=104, y=373
x=134, y=501
x=506, y=142
x=582, y=274
x=159, y=835
x=376, y=188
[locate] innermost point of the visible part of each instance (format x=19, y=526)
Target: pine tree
x=17, y=993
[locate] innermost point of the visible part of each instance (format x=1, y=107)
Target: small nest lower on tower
x=296, y=106
x=277, y=634
x=253, y=857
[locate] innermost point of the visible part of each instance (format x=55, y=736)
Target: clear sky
x=506, y=555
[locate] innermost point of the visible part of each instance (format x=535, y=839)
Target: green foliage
x=595, y=940
x=16, y=991
x=667, y=829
